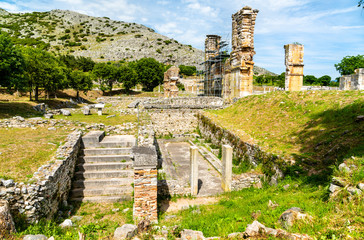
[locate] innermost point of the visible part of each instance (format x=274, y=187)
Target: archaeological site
x=188, y=145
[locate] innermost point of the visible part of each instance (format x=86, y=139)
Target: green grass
x=237, y=209
x=24, y=150
x=313, y=128
x=98, y=222
x=21, y=108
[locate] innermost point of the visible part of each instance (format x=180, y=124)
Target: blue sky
x=329, y=29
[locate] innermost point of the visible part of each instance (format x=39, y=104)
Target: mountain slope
x=102, y=39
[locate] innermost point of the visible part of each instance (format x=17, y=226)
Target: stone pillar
x=194, y=170
x=212, y=48
x=227, y=161
x=241, y=60
x=6, y=220
x=294, y=67
x=145, y=184
x=171, y=76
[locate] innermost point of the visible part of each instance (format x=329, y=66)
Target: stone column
x=227, y=159
x=145, y=184
x=294, y=67
x=194, y=170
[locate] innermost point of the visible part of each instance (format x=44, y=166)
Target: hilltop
x=100, y=38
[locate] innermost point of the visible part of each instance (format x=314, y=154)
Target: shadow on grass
x=12, y=109
x=327, y=139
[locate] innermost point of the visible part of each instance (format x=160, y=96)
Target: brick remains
x=145, y=184
x=354, y=81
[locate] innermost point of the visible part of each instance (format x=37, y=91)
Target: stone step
x=104, y=166
x=103, y=174
x=106, y=158
x=107, y=151
x=103, y=199
x=93, y=139
x=101, y=191
x=121, y=141
x=107, y=182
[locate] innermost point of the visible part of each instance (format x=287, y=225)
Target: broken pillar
x=294, y=67
x=145, y=184
x=171, y=76
x=243, y=24
x=212, y=48
x=227, y=161
x=194, y=170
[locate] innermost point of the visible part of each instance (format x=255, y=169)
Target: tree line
x=31, y=69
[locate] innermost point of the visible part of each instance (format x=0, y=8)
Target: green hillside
x=315, y=129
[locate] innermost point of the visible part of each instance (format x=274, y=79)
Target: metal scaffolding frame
x=214, y=72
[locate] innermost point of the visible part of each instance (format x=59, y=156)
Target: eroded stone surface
x=171, y=77
x=294, y=67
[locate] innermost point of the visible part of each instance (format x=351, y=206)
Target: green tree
x=79, y=63
x=348, y=64
x=150, y=72
x=107, y=75
x=281, y=80
x=361, y=3
x=127, y=76
x=11, y=64
x=324, y=80
x=43, y=70
x=80, y=81
x=309, y=80
x=187, y=70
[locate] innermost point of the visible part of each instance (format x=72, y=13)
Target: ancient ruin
x=233, y=77
x=294, y=67
x=171, y=77
x=354, y=81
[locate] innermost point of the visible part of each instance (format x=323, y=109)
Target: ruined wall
x=171, y=77
x=354, y=81
x=238, y=80
x=51, y=185
x=173, y=121
x=272, y=164
x=294, y=67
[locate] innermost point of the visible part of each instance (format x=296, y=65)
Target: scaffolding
x=214, y=71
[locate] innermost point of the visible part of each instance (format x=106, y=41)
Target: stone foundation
x=50, y=187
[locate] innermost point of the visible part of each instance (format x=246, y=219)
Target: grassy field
x=24, y=150
x=97, y=221
x=314, y=128
x=330, y=219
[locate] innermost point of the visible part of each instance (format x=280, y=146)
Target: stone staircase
x=105, y=171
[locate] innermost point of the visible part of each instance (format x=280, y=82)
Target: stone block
x=144, y=157
x=227, y=161
x=194, y=170
x=127, y=231
x=6, y=220
x=93, y=139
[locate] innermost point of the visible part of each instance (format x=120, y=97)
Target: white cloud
x=9, y=7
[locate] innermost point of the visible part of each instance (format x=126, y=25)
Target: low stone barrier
x=272, y=164
x=48, y=188
x=185, y=103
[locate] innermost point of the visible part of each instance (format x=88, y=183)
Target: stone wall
x=184, y=103
x=354, y=81
x=272, y=164
x=50, y=184
x=294, y=67
x=174, y=121
x=246, y=180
